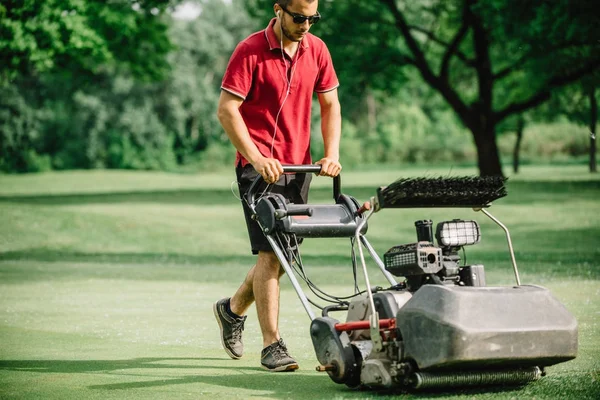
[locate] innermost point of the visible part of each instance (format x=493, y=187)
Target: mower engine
x=442, y=326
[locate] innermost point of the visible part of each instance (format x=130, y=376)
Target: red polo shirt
x=257, y=73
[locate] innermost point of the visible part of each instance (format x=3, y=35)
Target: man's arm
x=331, y=129
x=231, y=119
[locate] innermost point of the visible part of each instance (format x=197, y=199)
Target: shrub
x=544, y=142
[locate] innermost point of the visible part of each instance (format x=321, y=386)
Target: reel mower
x=438, y=326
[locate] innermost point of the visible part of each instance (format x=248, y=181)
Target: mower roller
x=441, y=325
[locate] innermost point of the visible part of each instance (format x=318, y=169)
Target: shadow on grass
x=50, y=255
x=252, y=378
x=282, y=385
x=85, y=366
x=179, y=196
x=47, y=265
x=518, y=192
x=188, y=196
x=569, y=262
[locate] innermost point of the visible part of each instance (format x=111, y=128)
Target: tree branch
x=453, y=47
x=542, y=96
x=422, y=65
x=534, y=54
x=503, y=73
x=412, y=44
x=481, y=43
x=435, y=39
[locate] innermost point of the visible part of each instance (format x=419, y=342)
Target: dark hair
x=285, y=3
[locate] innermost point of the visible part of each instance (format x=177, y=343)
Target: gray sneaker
x=275, y=358
x=231, y=330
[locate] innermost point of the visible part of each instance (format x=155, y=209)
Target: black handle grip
x=310, y=168
x=337, y=181
x=299, y=169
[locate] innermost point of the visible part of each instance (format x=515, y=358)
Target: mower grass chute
x=441, y=326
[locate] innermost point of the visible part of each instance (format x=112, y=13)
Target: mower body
x=450, y=336
x=451, y=327
x=442, y=326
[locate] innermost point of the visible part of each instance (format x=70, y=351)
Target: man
x=265, y=108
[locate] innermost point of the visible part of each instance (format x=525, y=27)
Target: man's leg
x=266, y=293
x=244, y=296
x=267, y=271
x=261, y=285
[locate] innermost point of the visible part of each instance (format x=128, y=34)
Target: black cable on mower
x=338, y=299
x=295, y=256
x=300, y=271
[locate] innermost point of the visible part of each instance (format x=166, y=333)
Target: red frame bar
x=356, y=325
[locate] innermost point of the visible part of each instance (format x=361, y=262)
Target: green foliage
x=148, y=104
x=78, y=37
x=120, y=84
x=487, y=60
x=40, y=36
x=352, y=149
x=558, y=141
x=544, y=40
x=189, y=99
x=58, y=58
x=21, y=129
x=216, y=156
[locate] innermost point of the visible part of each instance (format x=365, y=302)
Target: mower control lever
x=281, y=214
x=365, y=207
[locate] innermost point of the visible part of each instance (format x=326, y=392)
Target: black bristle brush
x=466, y=191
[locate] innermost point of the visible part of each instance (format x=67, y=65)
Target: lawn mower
x=440, y=325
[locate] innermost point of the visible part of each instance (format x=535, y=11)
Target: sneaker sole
x=283, y=368
x=229, y=353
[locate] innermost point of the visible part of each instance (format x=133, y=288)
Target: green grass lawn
x=107, y=280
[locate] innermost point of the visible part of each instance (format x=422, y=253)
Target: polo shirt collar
x=272, y=38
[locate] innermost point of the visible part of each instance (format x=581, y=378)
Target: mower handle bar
x=310, y=168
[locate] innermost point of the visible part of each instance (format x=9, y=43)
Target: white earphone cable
x=289, y=84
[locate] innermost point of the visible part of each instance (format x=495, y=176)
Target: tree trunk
x=371, y=113
x=488, y=158
x=593, y=123
x=517, y=148
x=194, y=133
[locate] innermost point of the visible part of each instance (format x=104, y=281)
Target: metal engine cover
x=479, y=327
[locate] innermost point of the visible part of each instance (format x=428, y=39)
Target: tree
x=481, y=42
x=189, y=98
x=140, y=95
x=79, y=37
x=579, y=103
x=593, y=125
x=51, y=50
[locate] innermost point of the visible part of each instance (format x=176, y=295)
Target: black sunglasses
x=300, y=19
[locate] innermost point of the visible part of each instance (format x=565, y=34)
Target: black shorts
x=293, y=187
